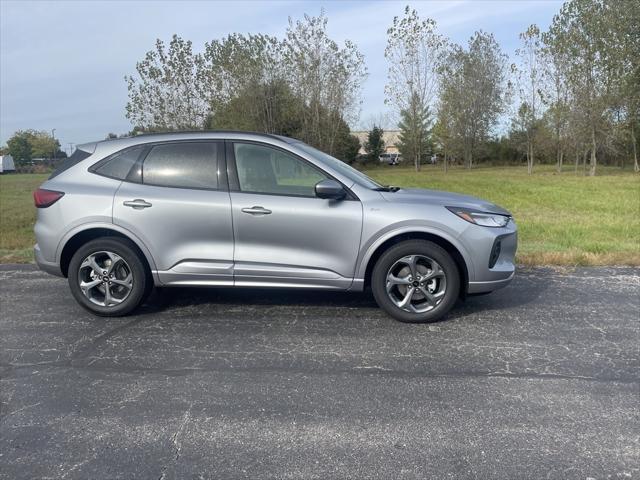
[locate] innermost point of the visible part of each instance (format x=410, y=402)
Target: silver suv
x=254, y=210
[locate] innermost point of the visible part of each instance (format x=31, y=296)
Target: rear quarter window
x=119, y=164
x=67, y=163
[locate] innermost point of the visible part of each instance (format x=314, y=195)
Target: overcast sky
x=63, y=62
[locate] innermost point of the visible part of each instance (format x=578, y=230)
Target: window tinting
x=183, y=165
x=75, y=158
x=119, y=165
x=267, y=170
x=346, y=170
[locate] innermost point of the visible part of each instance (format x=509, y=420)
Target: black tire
x=423, y=248
x=141, y=281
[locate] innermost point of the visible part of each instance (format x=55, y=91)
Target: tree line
x=574, y=90
x=26, y=145
x=570, y=95
x=304, y=85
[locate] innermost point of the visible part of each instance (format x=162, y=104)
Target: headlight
x=494, y=220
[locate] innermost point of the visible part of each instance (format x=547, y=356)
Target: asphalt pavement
x=539, y=380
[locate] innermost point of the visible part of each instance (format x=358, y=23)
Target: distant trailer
x=6, y=164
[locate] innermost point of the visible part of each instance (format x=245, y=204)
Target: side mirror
x=330, y=189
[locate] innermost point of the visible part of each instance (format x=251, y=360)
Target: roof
x=204, y=133
x=110, y=145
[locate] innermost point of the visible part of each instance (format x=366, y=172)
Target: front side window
x=264, y=169
x=119, y=165
x=183, y=165
x=346, y=170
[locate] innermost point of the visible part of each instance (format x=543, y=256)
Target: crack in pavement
x=176, y=440
x=357, y=370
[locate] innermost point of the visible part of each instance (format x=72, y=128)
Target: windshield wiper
x=387, y=188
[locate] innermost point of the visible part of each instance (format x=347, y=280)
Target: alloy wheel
x=105, y=278
x=416, y=283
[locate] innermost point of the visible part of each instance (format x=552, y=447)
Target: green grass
x=17, y=216
x=562, y=219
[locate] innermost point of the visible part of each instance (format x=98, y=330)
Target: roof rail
x=178, y=132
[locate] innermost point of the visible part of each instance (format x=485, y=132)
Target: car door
x=284, y=234
x=176, y=201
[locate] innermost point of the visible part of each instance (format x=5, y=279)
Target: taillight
x=45, y=198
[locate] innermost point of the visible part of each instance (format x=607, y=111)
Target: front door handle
x=138, y=204
x=256, y=210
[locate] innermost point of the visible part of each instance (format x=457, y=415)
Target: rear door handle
x=256, y=210
x=138, y=204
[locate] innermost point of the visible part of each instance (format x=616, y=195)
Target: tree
x=304, y=85
x=415, y=52
x=414, y=131
x=27, y=144
x=348, y=147
x=260, y=108
x=474, y=91
x=248, y=88
x=529, y=75
x=167, y=92
x=324, y=77
x=374, y=146
x=577, y=34
x=43, y=145
x=441, y=133
x=20, y=148
x=555, y=96
x=623, y=45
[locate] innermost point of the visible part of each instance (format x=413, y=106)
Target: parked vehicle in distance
x=6, y=164
x=390, y=158
x=256, y=210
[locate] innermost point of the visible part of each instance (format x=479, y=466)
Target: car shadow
x=522, y=291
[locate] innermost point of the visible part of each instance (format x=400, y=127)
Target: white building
x=390, y=138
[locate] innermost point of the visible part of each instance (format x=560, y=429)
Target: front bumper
x=490, y=286
x=491, y=272
x=49, y=267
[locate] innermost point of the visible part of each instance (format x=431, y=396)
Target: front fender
x=403, y=228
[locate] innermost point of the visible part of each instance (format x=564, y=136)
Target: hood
x=446, y=199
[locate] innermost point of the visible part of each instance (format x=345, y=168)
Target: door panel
x=285, y=235
x=182, y=212
x=303, y=241
x=188, y=232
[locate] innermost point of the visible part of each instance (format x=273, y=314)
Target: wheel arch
x=78, y=237
x=376, y=251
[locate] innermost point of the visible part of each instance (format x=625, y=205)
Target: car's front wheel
x=416, y=281
x=108, y=277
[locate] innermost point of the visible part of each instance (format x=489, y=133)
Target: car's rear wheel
x=416, y=281
x=108, y=277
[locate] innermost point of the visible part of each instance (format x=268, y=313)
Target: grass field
x=563, y=219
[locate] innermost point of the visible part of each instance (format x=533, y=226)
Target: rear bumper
x=49, y=267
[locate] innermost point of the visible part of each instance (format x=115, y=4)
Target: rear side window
x=119, y=165
x=75, y=158
x=183, y=165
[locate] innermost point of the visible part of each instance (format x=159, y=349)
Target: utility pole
x=53, y=135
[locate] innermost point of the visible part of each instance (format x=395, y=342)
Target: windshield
x=345, y=169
